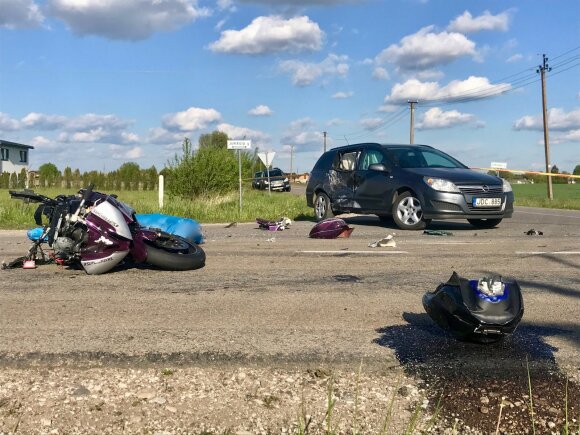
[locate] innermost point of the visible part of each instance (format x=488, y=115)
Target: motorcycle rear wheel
x=171, y=252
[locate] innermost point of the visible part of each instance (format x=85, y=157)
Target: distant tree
x=48, y=174
x=576, y=170
x=130, y=173
x=555, y=170
x=13, y=180
x=5, y=180
x=214, y=140
x=76, y=179
x=67, y=177
x=22, y=176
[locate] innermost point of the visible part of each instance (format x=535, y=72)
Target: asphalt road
x=275, y=298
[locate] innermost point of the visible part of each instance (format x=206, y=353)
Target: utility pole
x=324, y=140
x=542, y=70
x=412, y=129
x=291, y=160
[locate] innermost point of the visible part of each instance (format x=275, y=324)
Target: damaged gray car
x=412, y=184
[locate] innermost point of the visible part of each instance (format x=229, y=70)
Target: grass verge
x=15, y=214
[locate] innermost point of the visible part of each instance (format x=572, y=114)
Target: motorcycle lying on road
x=97, y=231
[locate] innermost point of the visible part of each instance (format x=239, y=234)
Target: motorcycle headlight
x=507, y=187
x=440, y=184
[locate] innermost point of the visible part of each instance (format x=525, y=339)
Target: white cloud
x=124, y=153
x=127, y=19
x=371, y=123
x=571, y=136
x=41, y=121
x=89, y=128
x=389, y=108
x=342, y=95
x=194, y=118
x=260, y=110
x=272, y=34
x=303, y=74
x=304, y=135
x=20, y=14
x=514, y=58
x=41, y=143
x=300, y=2
x=426, y=49
x=472, y=87
x=7, y=123
x=162, y=136
x=381, y=73
x=466, y=23
x=257, y=137
x=435, y=118
x=558, y=120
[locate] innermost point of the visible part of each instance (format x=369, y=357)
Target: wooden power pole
x=542, y=70
x=412, y=127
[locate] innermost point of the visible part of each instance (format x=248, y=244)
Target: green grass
x=15, y=214
x=566, y=196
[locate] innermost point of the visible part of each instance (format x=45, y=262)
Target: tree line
x=209, y=169
x=128, y=177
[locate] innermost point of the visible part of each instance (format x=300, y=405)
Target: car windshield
x=276, y=173
x=422, y=158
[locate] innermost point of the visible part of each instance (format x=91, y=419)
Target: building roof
x=16, y=145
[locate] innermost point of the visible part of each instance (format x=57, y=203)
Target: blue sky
x=95, y=83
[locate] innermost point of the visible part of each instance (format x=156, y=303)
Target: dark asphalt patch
x=473, y=380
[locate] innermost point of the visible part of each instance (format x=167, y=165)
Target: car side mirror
x=378, y=167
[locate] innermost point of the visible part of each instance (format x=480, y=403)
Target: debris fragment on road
x=533, y=232
x=387, y=241
x=332, y=228
x=279, y=225
x=437, y=233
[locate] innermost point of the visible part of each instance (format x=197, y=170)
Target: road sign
x=267, y=158
x=498, y=165
x=239, y=144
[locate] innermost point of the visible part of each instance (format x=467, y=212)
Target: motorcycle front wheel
x=171, y=252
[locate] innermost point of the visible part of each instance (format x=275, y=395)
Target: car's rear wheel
x=322, y=207
x=484, y=223
x=408, y=213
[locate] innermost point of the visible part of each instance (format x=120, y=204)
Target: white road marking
x=353, y=252
x=548, y=252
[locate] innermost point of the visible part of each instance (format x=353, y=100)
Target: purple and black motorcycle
x=97, y=231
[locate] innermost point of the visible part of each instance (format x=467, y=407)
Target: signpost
x=267, y=159
x=239, y=145
x=498, y=165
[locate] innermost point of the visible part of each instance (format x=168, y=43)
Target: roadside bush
x=212, y=169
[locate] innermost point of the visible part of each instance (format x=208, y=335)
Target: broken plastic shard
x=387, y=241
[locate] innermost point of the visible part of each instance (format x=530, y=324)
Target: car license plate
x=486, y=202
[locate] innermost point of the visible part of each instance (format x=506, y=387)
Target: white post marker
x=267, y=159
x=239, y=145
x=161, y=187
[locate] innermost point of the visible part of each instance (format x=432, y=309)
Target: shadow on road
x=472, y=378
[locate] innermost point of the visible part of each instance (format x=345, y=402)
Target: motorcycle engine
x=64, y=245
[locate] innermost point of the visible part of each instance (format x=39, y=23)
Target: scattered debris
x=532, y=232
x=331, y=229
x=437, y=233
x=279, y=225
x=347, y=278
x=233, y=224
x=387, y=241
x=271, y=239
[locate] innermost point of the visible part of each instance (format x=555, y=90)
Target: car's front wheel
x=408, y=213
x=484, y=223
x=322, y=207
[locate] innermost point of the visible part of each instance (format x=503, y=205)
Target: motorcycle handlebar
x=29, y=196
